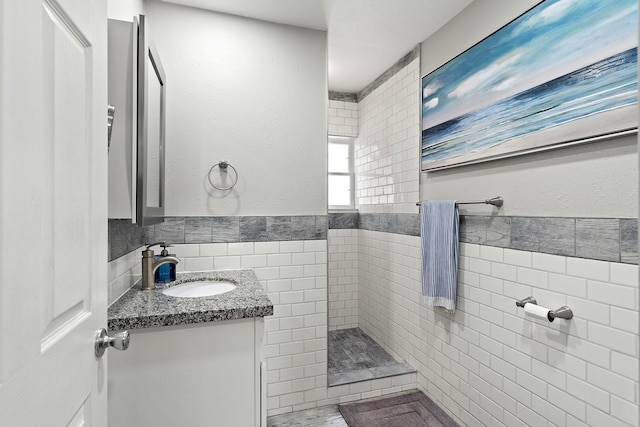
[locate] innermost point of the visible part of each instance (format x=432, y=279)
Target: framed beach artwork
x=565, y=72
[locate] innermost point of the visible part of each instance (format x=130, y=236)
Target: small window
x=341, y=178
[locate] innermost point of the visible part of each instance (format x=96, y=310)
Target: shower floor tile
x=354, y=357
x=326, y=416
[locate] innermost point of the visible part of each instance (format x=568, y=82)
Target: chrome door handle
x=119, y=341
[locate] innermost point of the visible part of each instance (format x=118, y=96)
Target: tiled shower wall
x=343, y=251
x=489, y=363
x=386, y=166
x=342, y=116
x=343, y=278
x=386, y=151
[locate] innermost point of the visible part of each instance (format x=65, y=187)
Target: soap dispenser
x=167, y=272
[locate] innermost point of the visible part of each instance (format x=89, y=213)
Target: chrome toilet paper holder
x=521, y=302
x=563, y=312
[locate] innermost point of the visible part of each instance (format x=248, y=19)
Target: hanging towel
x=439, y=231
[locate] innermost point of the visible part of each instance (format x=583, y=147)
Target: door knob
x=119, y=341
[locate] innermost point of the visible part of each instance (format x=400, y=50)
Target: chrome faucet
x=149, y=267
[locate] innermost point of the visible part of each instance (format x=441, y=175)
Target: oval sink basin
x=203, y=288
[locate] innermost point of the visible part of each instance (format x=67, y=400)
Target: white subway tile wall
x=342, y=118
x=294, y=274
x=343, y=270
x=343, y=279
x=122, y=273
x=386, y=151
x=489, y=363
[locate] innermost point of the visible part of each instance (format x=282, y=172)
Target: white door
x=53, y=211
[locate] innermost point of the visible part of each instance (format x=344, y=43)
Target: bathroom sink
x=202, y=288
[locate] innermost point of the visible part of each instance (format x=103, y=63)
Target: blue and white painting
x=564, y=71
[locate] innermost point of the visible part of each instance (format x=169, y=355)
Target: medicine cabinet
x=137, y=90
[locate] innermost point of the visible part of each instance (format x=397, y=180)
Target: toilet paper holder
x=521, y=302
x=563, y=312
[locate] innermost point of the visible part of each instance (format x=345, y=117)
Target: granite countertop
x=138, y=309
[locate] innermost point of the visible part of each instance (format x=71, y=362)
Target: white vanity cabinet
x=195, y=375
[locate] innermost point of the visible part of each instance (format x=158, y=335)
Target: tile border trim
x=343, y=96
x=605, y=239
x=125, y=236
x=391, y=71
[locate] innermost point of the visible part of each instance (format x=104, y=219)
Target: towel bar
x=495, y=201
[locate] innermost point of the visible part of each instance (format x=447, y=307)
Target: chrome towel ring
x=223, y=165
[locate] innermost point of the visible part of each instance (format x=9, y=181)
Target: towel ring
x=223, y=165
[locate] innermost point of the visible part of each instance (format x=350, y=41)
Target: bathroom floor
x=354, y=356
x=326, y=416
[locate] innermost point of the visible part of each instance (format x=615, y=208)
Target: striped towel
x=439, y=231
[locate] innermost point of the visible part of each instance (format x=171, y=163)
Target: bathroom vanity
x=192, y=361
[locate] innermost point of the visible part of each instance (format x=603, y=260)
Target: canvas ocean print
x=565, y=70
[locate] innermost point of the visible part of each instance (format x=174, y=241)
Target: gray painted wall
x=249, y=92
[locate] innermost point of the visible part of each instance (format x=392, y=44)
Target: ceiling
x=365, y=37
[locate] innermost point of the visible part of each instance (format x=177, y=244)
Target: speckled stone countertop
x=138, y=309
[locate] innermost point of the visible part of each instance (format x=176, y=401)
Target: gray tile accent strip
x=279, y=228
x=221, y=229
x=343, y=96
x=629, y=241
x=303, y=227
x=473, y=229
x=170, y=231
x=321, y=227
x=370, y=222
x=253, y=228
x=225, y=229
x=548, y=235
x=499, y=231
x=197, y=229
x=148, y=234
x=606, y=239
x=391, y=71
x=598, y=238
x=124, y=237
x=408, y=224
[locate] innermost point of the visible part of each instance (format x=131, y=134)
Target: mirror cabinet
x=137, y=84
